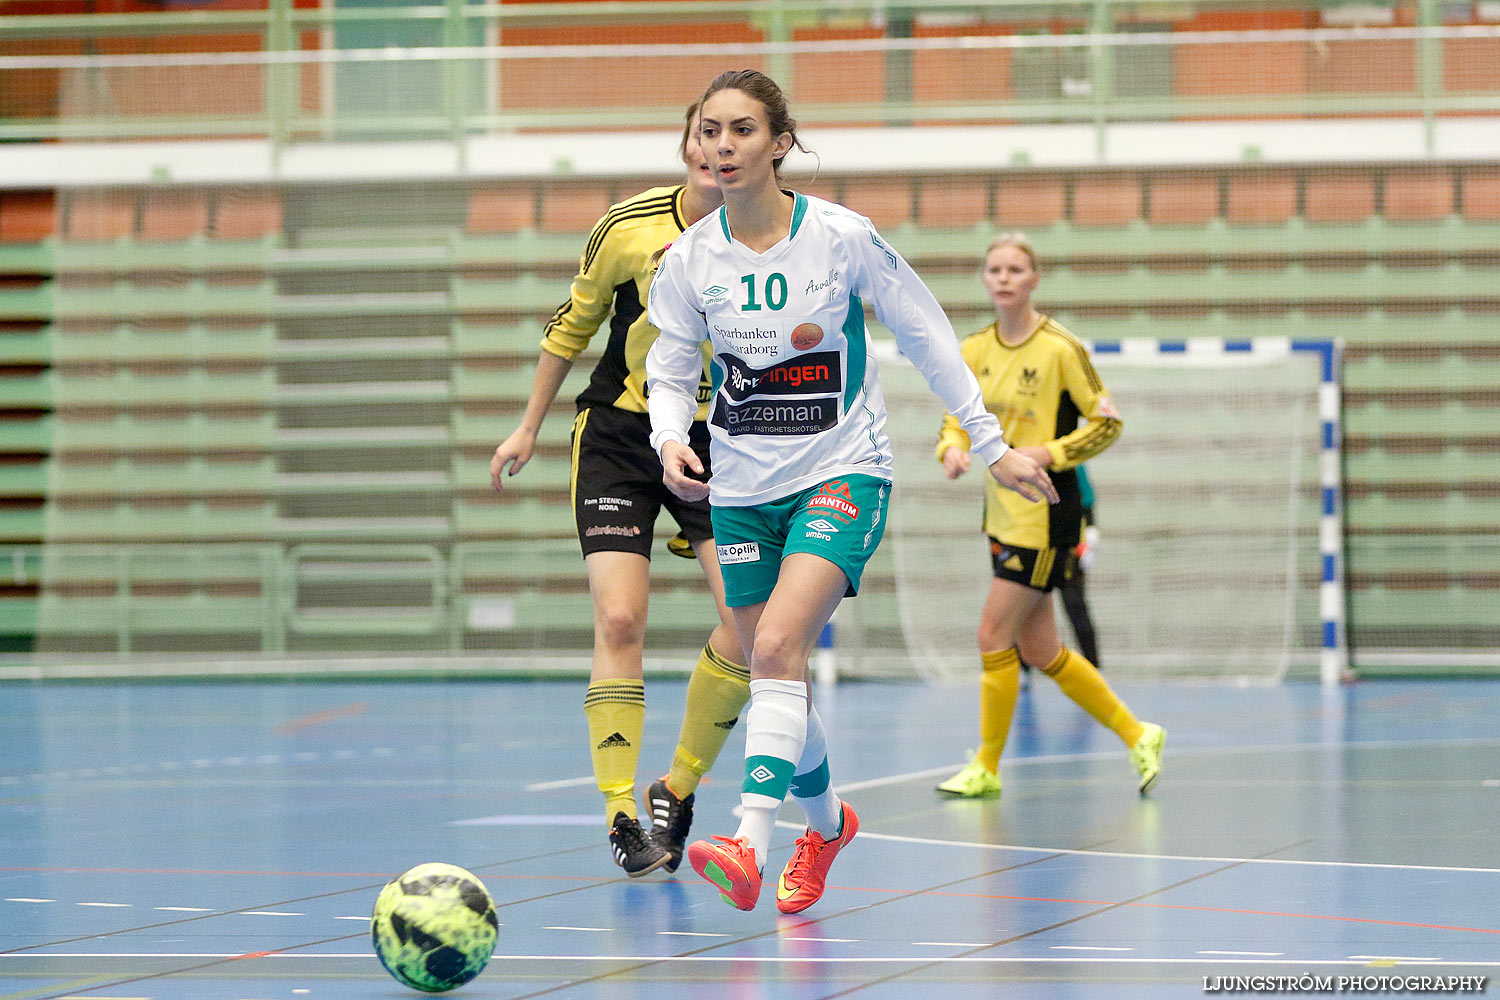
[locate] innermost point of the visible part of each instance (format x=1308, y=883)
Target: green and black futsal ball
x=434, y=927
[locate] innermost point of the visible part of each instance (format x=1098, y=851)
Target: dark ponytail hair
x=765, y=90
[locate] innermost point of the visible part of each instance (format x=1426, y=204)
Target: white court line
x=824, y=940
x=28, y=899
x=1244, y=954
x=1393, y=958
x=110, y=906
x=934, y=842
x=691, y=934
x=1177, y=754
x=1086, y=947
x=773, y=959
x=597, y=930
x=184, y=909
x=269, y=913
x=547, y=786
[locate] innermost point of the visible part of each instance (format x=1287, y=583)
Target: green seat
x=21, y=524
x=164, y=431
x=30, y=348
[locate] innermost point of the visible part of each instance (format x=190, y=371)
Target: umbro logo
x=822, y=524
x=727, y=723
x=762, y=774
x=613, y=740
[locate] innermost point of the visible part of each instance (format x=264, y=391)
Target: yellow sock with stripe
x=1082, y=682
x=999, y=686
x=616, y=713
x=717, y=690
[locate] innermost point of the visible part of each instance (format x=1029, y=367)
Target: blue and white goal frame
x=1333, y=661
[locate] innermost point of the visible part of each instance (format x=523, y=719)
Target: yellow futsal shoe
x=1145, y=756
x=975, y=781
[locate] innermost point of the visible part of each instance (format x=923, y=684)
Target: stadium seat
x=885, y=201
x=574, y=206
x=27, y=216
x=953, y=202
x=502, y=209
x=1481, y=193
x=173, y=215
x=1029, y=200
x=1262, y=196
x=242, y=214
x=1184, y=199
x=100, y=215
x=1342, y=196
x=1107, y=199
x=1418, y=194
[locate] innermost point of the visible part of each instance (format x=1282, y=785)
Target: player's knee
x=619, y=627
x=778, y=653
x=993, y=636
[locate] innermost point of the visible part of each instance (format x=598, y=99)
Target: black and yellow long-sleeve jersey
x=614, y=274
x=1040, y=390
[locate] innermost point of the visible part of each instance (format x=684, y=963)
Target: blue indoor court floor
x=206, y=841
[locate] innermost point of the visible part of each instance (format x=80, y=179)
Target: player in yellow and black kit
x=617, y=494
x=1038, y=379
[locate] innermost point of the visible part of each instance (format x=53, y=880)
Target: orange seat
x=1418, y=194
x=501, y=209
x=886, y=201
x=247, y=214
x=955, y=202
x=574, y=206
x=27, y=216
x=1262, y=196
x=1186, y=199
x=1482, y=193
x=173, y=215
x=1029, y=200
x=100, y=215
x=1106, y=199
x=1339, y=197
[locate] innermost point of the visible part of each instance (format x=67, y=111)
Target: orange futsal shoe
x=801, y=884
x=730, y=865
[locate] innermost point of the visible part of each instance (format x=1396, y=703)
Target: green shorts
x=841, y=520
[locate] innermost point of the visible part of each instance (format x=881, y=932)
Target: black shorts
x=616, y=483
x=1039, y=569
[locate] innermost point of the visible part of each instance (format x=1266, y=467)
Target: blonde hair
x=1020, y=241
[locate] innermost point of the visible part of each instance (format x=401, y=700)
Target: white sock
x=775, y=730
x=811, y=785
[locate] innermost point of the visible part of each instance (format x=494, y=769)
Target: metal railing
x=455, y=71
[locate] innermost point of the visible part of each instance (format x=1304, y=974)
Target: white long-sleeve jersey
x=796, y=395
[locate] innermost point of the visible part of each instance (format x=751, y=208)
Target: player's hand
x=677, y=462
x=515, y=451
x=955, y=462
x=1023, y=474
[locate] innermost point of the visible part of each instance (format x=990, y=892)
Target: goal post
x=1220, y=508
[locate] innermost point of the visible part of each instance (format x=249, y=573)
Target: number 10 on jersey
x=775, y=292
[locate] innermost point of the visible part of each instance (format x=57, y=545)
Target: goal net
x=1211, y=509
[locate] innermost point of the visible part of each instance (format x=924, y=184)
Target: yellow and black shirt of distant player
x=1044, y=391
x=615, y=479
x=614, y=276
